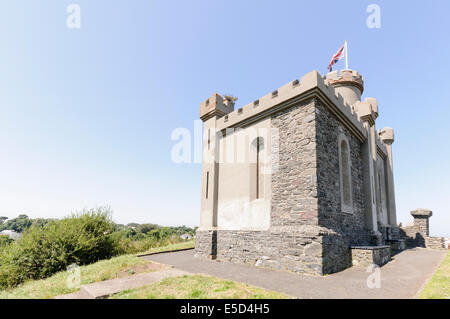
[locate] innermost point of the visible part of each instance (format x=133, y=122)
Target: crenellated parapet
x=310, y=85
x=349, y=83
x=216, y=105
x=387, y=135
x=367, y=110
x=346, y=77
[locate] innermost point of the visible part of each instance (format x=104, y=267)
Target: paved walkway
x=402, y=278
x=104, y=289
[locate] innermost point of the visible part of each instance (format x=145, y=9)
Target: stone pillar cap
x=421, y=212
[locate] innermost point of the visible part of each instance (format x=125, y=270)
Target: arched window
x=345, y=175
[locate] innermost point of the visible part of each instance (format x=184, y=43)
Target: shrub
x=42, y=251
x=5, y=241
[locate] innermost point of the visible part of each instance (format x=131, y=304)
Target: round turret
x=348, y=83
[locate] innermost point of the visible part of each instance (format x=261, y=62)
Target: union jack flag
x=336, y=57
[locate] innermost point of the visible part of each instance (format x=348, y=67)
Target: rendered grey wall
x=293, y=241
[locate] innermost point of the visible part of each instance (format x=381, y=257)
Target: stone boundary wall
x=413, y=237
x=417, y=234
x=435, y=242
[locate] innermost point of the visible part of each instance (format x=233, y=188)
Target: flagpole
x=346, y=55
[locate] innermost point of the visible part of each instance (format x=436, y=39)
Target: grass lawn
x=439, y=286
x=181, y=245
x=198, y=287
x=103, y=270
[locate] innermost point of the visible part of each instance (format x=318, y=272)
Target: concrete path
x=104, y=289
x=402, y=278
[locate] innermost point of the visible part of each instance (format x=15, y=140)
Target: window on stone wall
x=345, y=175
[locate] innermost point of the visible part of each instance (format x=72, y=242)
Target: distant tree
x=128, y=232
x=145, y=228
x=2, y=219
x=18, y=224
x=133, y=225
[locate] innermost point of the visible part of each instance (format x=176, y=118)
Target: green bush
x=42, y=251
x=5, y=241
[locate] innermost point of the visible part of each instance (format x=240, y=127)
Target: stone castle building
x=297, y=178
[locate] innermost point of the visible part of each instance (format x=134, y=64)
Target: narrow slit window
x=256, y=178
x=209, y=138
x=207, y=184
x=258, y=146
x=379, y=189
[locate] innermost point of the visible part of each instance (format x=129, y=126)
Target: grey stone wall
x=297, y=251
x=206, y=243
x=345, y=229
x=422, y=225
x=294, y=183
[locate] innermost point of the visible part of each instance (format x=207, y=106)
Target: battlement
x=381, y=147
x=346, y=77
x=288, y=95
x=367, y=110
x=374, y=105
x=387, y=135
x=329, y=89
x=216, y=105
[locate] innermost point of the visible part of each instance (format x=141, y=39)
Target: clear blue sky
x=86, y=114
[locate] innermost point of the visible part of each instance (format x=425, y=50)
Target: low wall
x=418, y=234
x=435, y=242
x=368, y=255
